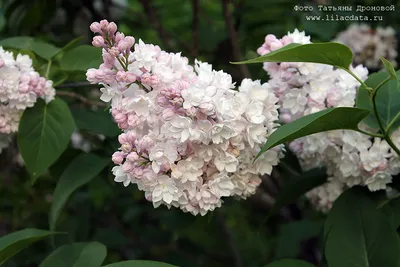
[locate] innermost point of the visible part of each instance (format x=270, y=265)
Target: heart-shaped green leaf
x=43, y=135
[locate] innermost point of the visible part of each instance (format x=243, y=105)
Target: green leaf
x=392, y=211
x=77, y=255
x=357, y=234
x=19, y=42
x=322, y=121
x=42, y=49
x=15, y=242
x=290, y=263
x=140, y=263
x=72, y=44
x=298, y=187
x=334, y=54
x=100, y=121
x=389, y=67
x=78, y=173
x=44, y=133
x=386, y=100
x=81, y=58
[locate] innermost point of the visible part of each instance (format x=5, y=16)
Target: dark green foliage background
x=120, y=218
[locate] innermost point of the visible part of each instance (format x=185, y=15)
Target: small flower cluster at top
x=369, y=45
x=20, y=87
x=351, y=158
x=188, y=138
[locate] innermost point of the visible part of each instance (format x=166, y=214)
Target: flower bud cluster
x=369, y=45
x=351, y=158
x=188, y=138
x=20, y=87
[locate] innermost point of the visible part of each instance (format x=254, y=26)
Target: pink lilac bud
x=105, y=75
x=111, y=29
x=126, y=77
x=118, y=157
x=95, y=27
x=114, y=51
x=133, y=120
x=128, y=166
x=1, y=63
x=177, y=101
x=286, y=117
x=286, y=40
x=138, y=172
x=120, y=118
x=91, y=76
x=104, y=23
x=121, y=76
x=98, y=41
x=126, y=148
x=108, y=59
x=129, y=138
x=130, y=77
x=263, y=50
x=145, y=143
x=23, y=88
x=276, y=45
x=152, y=80
x=123, y=138
x=119, y=36
x=149, y=197
x=123, y=46
x=25, y=78
x=170, y=93
x=270, y=38
x=130, y=40
x=132, y=157
x=124, y=125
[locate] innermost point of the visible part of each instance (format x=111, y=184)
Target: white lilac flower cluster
x=351, y=158
x=369, y=45
x=20, y=86
x=188, y=138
